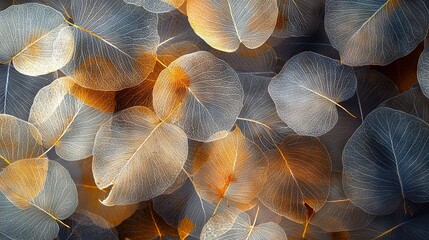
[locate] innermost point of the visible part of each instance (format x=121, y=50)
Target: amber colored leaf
x=186, y=226
x=299, y=177
x=234, y=170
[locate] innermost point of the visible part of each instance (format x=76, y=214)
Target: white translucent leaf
x=35, y=38
x=115, y=44
x=68, y=117
x=224, y=24
x=139, y=155
x=201, y=93
x=308, y=90
x=157, y=6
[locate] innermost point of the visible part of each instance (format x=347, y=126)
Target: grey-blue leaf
x=375, y=32
x=386, y=162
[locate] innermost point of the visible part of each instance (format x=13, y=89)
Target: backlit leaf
x=201, y=93
x=68, y=116
x=308, y=90
x=225, y=24
x=139, y=154
x=18, y=140
x=385, y=162
x=233, y=170
x=298, y=177
x=157, y=6
x=375, y=32
x=115, y=44
x=258, y=119
x=55, y=202
x=35, y=38
x=423, y=70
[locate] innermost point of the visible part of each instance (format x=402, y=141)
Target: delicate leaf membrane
x=385, y=162
x=298, y=176
x=201, y=93
x=375, y=32
x=68, y=117
x=35, y=39
x=56, y=201
x=228, y=226
x=307, y=91
x=137, y=153
x=115, y=44
x=18, y=140
x=224, y=24
x=232, y=169
x=157, y=6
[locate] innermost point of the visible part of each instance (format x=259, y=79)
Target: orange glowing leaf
x=186, y=226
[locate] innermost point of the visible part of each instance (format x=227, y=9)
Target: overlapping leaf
x=157, y=6
x=375, y=32
x=115, y=44
x=139, y=154
x=299, y=176
x=308, y=90
x=35, y=38
x=231, y=169
x=385, y=162
x=201, y=93
x=44, y=210
x=227, y=23
x=68, y=117
x=228, y=226
x=258, y=119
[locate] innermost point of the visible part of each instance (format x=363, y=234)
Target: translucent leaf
x=339, y=214
x=308, y=90
x=18, y=140
x=55, y=202
x=68, y=117
x=372, y=89
x=115, y=44
x=201, y=93
x=385, y=162
x=233, y=169
x=17, y=91
x=295, y=231
x=86, y=226
x=227, y=23
x=145, y=224
x=89, y=196
x=396, y=226
x=157, y=6
x=243, y=228
x=137, y=153
x=369, y=32
x=412, y=101
x=298, y=18
x=35, y=38
x=23, y=180
x=298, y=178
x=258, y=119
x=63, y=6
x=423, y=70
x=184, y=203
